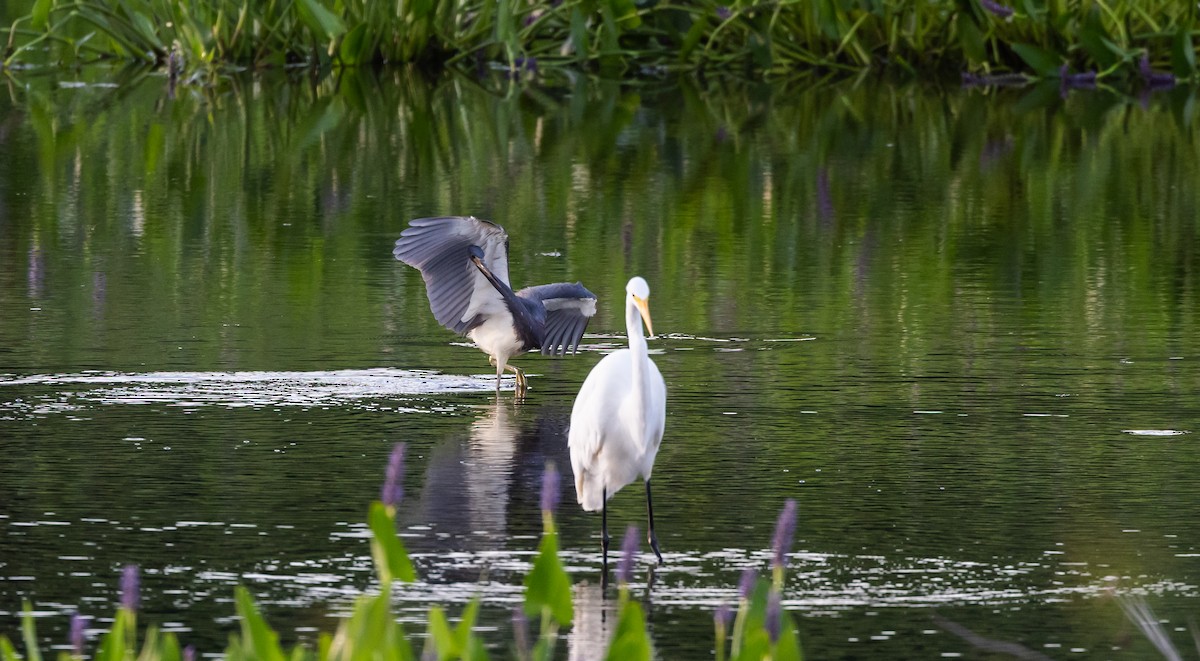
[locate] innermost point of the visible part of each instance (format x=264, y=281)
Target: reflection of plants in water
x=761, y=630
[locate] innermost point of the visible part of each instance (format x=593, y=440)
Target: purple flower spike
x=550, y=488
x=1003, y=11
x=78, y=628
x=723, y=616
x=629, y=549
x=774, y=617
x=724, y=13
x=785, y=528
x=749, y=576
x=129, y=587
x=189, y=653
x=393, y=483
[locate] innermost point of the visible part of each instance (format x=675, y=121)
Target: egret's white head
x=639, y=295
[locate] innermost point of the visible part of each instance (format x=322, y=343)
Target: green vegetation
x=624, y=37
x=762, y=629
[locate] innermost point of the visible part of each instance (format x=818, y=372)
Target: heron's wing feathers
x=569, y=308
x=438, y=248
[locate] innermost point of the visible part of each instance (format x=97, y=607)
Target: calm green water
x=960, y=328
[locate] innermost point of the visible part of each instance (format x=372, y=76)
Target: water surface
x=957, y=326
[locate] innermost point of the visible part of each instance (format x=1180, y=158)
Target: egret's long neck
x=640, y=355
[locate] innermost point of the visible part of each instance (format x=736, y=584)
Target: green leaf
x=972, y=39
x=39, y=18
x=547, y=586
x=579, y=34
x=692, y=39
x=7, y=651
x=630, y=640
x=391, y=559
x=440, y=635
x=1183, y=54
x=29, y=633
x=1043, y=62
x=112, y=644
x=351, y=49
x=787, y=648
x=258, y=640
x=464, y=632
x=1097, y=41
x=319, y=19
x=170, y=648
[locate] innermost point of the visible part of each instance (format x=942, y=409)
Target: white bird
x=618, y=418
x=464, y=261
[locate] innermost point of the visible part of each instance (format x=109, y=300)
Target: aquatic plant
x=762, y=629
x=620, y=38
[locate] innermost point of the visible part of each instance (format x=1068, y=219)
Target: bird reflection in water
x=476, y=493
x=596, y=616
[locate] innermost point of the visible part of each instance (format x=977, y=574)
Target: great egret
x=618, y=418
x=464, y=261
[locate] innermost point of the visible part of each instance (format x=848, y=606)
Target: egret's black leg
x=650, y=513
x=604, y=536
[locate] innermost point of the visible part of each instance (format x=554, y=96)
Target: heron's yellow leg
x=522, y=384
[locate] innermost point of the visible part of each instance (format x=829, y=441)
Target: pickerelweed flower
x=723, y=616
x=550, y=488
x=724, y=13
x=78, y=630
x=393, y=482
x=629, y=549
x=189, y=653
x=1003, y=11
x=746, y=584
x=129, y=588
x=773, y=620
x=785, y=529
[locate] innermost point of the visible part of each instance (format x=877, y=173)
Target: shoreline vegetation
x=1128, y=43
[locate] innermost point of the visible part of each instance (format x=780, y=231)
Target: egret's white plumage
x=619, y=415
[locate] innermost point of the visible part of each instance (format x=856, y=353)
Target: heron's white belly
x=496, y=338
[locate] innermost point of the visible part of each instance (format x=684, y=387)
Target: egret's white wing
x=458, y=292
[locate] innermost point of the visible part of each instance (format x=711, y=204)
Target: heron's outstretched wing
x=438, y=248
x=569, y=308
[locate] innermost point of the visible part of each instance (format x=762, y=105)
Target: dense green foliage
x=622, y=38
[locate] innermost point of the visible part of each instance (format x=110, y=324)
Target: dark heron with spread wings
x=464, y=261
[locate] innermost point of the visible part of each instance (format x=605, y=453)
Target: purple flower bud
x=78, y=628
x=189, y=653
x=520, y=632
x=1003, y=11
x=774, y=617
x=785, y=528
x=746, y=585
x=550, y=488
x=629, y=549
x=129, y=587
x=723, y=616
x=724, y=13
x=393, y=482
